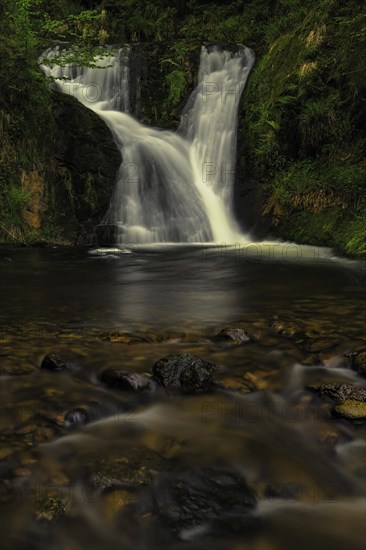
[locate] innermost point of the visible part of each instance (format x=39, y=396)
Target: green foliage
x=87, y=27
x=304, y=121
x=177, y=84
x=12, y=201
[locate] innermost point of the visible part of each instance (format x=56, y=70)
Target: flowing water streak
x=170, y=187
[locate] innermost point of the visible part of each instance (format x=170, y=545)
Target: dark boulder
x=53, y=362
x=184, y=372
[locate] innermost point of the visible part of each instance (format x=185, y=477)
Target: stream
x=85, y=463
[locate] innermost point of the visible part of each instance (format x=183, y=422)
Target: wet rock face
x=236, y=336
x=117, y=378
x=81, y=180
x=184, y=372
x=213, y=498
x=53, y=362
x=341, y=392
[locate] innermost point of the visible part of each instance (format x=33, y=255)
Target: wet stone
x=236, y=336
x=53, y=362
x=351, y=410
x=184, y=372
x=207, y=497
x=80, y=414
x=340, y=392
x=118, y=378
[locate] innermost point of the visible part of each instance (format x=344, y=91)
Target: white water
x=171, y=187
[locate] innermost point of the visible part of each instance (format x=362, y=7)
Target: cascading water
x=171, y=187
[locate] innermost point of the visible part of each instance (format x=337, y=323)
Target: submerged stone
x=207, y=497
x=184, y=372
x=237, y=384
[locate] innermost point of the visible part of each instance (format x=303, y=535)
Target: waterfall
x=171, y=187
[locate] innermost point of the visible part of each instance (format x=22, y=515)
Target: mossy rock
x=351, y=410
x=184, y=372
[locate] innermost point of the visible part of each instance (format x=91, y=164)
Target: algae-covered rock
x=351, y=410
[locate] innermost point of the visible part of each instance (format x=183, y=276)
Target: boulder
x=215, y=498
x=184, y=372
x=53, y=362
